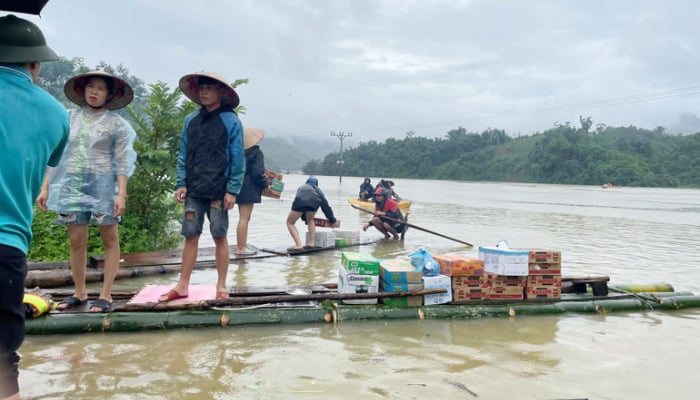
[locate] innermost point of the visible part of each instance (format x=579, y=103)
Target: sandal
x=294, y=248
x=222, y=295
x=170, y=296
x=70, y=302
x=101, y=305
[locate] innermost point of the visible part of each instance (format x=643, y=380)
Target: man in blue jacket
x=33, y=133
x=210, y=169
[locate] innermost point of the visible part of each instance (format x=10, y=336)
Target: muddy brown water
x=634, y=235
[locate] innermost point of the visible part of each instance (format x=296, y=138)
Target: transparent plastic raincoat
x=100, y=148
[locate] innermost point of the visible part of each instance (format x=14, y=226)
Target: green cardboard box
x=360, y=263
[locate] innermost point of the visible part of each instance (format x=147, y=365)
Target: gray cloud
x=381, y=68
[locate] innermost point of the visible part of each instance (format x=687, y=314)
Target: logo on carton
x=367, y=280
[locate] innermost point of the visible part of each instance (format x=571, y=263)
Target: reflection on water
x=633, y=235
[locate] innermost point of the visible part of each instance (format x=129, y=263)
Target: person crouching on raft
x=306, y=202
x=385, y=207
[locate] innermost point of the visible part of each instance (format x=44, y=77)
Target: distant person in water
x=386, y=207
x=389, y=191
x=366, y=190
x=308, y=199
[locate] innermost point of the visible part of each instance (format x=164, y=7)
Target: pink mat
x=150, y=293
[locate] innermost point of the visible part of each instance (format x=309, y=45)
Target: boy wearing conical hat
x=210, y=170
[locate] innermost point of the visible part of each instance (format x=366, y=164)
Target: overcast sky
x=382, y=68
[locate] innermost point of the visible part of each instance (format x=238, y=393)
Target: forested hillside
x=565, y=154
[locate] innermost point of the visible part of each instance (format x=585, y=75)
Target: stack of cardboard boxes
x=358, y=273
x=544, y=275
x=466, y=276
x=398, y=275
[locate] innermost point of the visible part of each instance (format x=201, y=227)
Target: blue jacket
x=211, y=162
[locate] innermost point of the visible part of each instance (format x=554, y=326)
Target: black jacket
x=254, y=180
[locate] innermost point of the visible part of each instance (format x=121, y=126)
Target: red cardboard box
x=545, y=256
x=469, y=295
x=459, y=265
x=543, y=280
x=542, y=292
x=506, y=280
x=474, y=282
x=544, y=268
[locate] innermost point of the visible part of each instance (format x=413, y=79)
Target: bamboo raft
x=322, y=305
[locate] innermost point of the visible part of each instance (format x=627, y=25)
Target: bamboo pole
x=416, y=227
x=62, y=278
x=239, y=301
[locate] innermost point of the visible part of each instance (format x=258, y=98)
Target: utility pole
x=341, y=136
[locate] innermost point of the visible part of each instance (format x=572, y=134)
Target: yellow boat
x=404, y=205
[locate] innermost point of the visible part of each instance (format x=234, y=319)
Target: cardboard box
x=410, y=301
x=397, y=271
x=350, y=282
x=544, y=256
x=544, y=280
x=504, y=261
x=323, y=238
x=544, y=269
x=470, y=282
x=469, y=295
x=276, y=185
x=505, y=280
x=459, y=265
x=351, y=237
x=403, y=302
x=507, y=290
x=437, y=282
x=360, y=263
x=542, y=292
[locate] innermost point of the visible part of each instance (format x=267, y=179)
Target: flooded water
x=634, y=235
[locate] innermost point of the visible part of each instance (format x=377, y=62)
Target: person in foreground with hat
x=386, y=207
x=33, y=133
x=254, y=182
x=90, y=183
x=308, y=199
x=210, y=169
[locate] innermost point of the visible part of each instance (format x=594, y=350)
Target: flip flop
x=293, y=248
x=222, y=295
x=102, y=306
x=171, y=295
x=246, y=252
x=311, y=247
x=70, y=302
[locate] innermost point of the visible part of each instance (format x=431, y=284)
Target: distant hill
x=290, y=154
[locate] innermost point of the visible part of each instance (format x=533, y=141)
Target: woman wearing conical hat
x=254, y=182
x=90, y=183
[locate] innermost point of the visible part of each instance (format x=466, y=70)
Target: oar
x=415, y=227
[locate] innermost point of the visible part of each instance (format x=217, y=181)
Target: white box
x=323, y=238
x=350, y=282
x=504, y=261
x=437, y=282
x=351, y=237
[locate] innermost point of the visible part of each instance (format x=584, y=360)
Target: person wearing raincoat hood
x=308, y=199
x=90, y=183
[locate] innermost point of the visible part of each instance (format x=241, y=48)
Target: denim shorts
x=84, y=217
x=196, y=209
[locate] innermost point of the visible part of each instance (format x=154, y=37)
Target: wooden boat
x=321, y=304
x=404, y=205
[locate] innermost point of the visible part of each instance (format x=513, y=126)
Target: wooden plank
x=283, y=251
x=585, y=279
